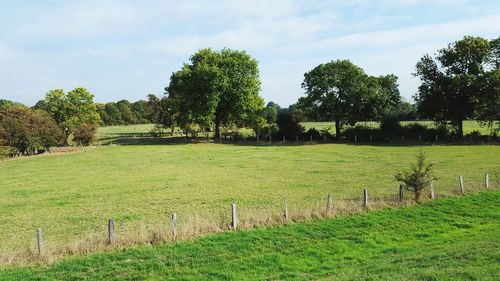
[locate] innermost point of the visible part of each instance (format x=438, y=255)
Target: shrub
x=363, y=133
x=312, y=132
x=418, y=177
x=390, y=127
x=85, y=135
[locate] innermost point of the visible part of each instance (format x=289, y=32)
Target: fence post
x=486, y=180
x=402, y=138
x=436, y=138
x=355, y=138
x=365, y=198
x=329, y=202
x=174, y=225
x=286, y=210
x=419, y=138
x=111, y=231
x=461, y=181
x=401, y=193
x=371, y=138
x=257, y=137
x=311, y=138
x=296, y=139
x=39, y=240
x=284, y=139
x=234, y=222
x=324, y=138
x=433, y=195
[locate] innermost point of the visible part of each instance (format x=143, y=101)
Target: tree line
x=219, y=89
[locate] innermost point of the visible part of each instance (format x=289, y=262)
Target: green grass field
x=450, y=239
x=72, y=195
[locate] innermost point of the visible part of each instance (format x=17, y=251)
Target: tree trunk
x=460, y=126
x=217, y=130
x=337, y=130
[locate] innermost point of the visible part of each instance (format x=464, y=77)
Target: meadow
x=450, y=239
x=71, y=196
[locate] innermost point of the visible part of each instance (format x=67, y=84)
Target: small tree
x=85, y=135
x=418, y=177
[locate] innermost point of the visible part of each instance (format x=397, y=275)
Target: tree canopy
x=460, y=82
x=342, y=92
x=216, y=88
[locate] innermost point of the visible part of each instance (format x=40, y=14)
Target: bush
x=85, y=135
x=312, y=132
x=390, y=127
x=363, y=133
x=418, y=177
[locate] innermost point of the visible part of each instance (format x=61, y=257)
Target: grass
x=71, y=196
x=450, y=239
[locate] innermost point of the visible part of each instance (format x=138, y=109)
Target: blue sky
x=128, y=49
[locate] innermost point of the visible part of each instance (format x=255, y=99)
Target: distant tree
x=288, y=124
x=453, y=83
x=8, y=104
x=139, y=109
x=72, y=110
x=125, y=108
x=153, y=109
x=27, y=130
x=113, y=114
x=418, y=177
x=271, y=112
x=342, y=92
x=218, y=88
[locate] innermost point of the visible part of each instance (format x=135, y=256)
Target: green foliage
x=217, y=88
x=450, y=239
x=418, y=177
x=4, y=104
x=28, y=131
x=459, y=83
x=342, y=92
x=72, y=110
x=288, y=124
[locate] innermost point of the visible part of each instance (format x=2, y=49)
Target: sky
x=128, y=49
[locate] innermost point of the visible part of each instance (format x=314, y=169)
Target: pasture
x=71, y=196
x=450, y=239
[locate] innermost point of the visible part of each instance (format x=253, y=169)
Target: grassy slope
x=451, y=239
x=73, y=195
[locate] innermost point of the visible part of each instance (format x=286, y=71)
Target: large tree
x=342, y=92
x=72, y=110
x=216, y=88
x=458, y=81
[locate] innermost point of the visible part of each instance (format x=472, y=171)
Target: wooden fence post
x=355, y=138
x=329, y=202
x=311, y=138
x=402, y=138
x=432, y=195
x=486, y=180
x=284, y=139
x=324, y=138
x=174, y=225
x=111, y=231
x=39, y=240
x=234, y=222
x=257, y=137
x=371, y=138
x=436, y=138
x=401, y=193
x=296, y=139
x=286, y=210
x=419, y=138
x=461, y=181
x=365, y=198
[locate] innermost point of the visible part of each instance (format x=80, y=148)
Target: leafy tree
x=4, y=104
x=342, y=92
x=453, y=86
x=418, y=177
x=218, y=88
x=271, y=112
x=139, y=108
x=288, y=124
x=72, y=110
x=27, y=130
x=125, y=108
